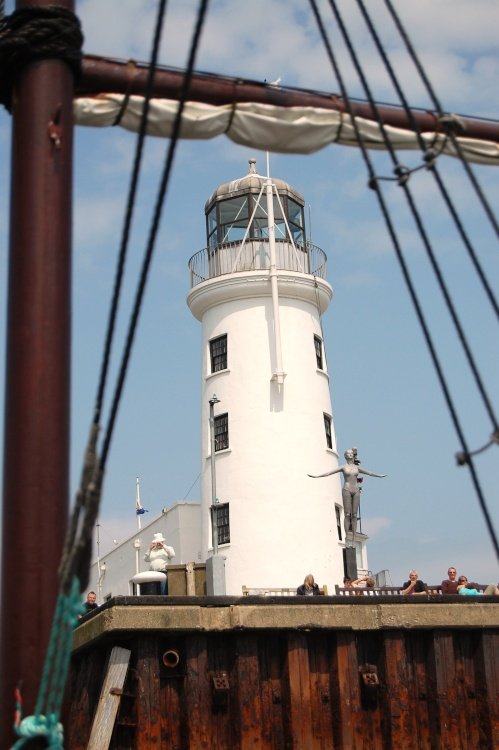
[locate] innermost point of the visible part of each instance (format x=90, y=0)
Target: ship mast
x=37, y=391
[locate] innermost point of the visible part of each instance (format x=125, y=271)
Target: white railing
x=254, y=255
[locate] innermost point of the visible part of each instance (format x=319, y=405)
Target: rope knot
x=41, y=726
x=37, y=33
x=451, y=124
x=402, y=173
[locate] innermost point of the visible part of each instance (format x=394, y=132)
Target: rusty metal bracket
x=55, y=128
x=221, y=687
x=369, y=684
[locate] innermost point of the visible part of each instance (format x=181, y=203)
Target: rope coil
x=37, y=33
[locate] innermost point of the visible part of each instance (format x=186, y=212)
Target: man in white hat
x=158, y=556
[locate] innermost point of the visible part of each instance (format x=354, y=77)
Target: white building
x=259, y=290
x=181, y=527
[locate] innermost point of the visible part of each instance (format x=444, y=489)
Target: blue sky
x=386, y=397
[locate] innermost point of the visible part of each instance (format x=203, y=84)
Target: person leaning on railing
x=308, y=587
x=414, y=586
x=364, y=584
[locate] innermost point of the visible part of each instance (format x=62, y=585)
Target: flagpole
x=137, y=504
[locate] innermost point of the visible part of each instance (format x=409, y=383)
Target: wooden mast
x=37, y=396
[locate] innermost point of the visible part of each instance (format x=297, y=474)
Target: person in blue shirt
x=466, y=588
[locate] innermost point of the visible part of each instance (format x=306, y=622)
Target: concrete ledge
x=215, y=616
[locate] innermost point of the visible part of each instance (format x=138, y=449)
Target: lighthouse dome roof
x=251, y=183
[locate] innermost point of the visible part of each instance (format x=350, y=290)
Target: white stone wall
x=181, y=527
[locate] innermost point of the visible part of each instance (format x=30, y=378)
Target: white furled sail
x=289, y=130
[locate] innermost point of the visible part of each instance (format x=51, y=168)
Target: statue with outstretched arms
x=351, y=488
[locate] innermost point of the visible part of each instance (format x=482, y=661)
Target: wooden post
x=190, y=581
x=347, y=714
x=300, y=709
x=109, y=702
x=249, y=707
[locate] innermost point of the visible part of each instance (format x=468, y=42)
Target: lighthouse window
x=233, y=218
x=281, y=233
x=211, y=221
x=295, y=213
x=327, y=427
x=295, y=219
x=260, y=225
x=221, y=432
x=218, y=353
x=223, y=525
x=318, y=352
x=338, y=521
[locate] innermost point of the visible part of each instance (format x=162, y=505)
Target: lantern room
x=238, y=216
x=237, y=211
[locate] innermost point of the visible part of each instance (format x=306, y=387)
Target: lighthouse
x=259, y=289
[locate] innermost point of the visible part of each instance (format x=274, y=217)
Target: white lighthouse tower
x=259, y=290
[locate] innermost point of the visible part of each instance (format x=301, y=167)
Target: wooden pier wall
x=287, y=674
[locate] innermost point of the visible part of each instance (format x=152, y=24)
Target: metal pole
x=278, y=374
x=137, y=503
x=37, y=390
x=137, y=545
x=214, y=529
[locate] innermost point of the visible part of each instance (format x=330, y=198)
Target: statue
x=351, y=488
x=158, y=556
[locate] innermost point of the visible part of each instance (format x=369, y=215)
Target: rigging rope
x=132, y=192
x=450, y=127
x=404, y=184
x=75, y=563
x=45, y=720
x=78, y=545
x=430, y=158
x=203, y=5
x=407, y=278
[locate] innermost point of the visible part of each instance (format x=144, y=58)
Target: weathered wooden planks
x=314, y=688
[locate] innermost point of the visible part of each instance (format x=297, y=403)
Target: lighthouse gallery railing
x=232, y=257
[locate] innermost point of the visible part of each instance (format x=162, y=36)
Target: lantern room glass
x=227, y=220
